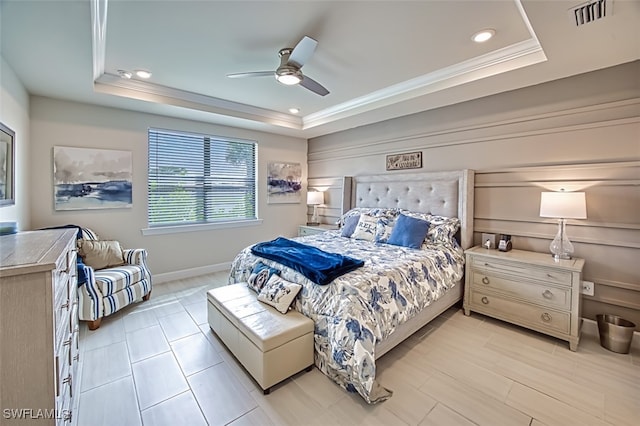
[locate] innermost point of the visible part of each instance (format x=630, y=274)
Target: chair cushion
x=100, y=254
x=112, y=280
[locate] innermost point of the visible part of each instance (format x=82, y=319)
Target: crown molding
x=518, y=55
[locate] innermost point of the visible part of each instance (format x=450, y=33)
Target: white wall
x=62, y=123
x=14, y=113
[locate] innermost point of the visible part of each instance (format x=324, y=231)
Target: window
x=198, y=179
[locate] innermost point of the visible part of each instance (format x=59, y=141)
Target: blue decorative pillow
x=409, y=232
x=279, y=293
x=260, y=275
x=350, y=225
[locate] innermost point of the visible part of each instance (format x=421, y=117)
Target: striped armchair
x=110, y=289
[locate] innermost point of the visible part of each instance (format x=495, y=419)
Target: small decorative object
x=410, y=160
x=7, y=173
x=505, y=242
x=284, y=183
x=488, y=241
x=87, y=178
x=562, y=205
x=315, y=198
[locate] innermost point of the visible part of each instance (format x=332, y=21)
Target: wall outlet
x=587, y=288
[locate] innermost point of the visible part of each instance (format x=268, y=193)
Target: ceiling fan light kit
x=289, y=72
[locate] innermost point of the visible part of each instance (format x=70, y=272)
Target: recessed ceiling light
x=294, y=110
x=124, y=74
x=484, y=35
x=143, y=73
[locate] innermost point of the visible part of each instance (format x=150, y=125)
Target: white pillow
x=279, y=293
x=366, y=228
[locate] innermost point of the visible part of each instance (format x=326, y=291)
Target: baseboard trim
x=191, y=272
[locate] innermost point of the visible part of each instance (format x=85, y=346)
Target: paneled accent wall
x=579, y=133
x=332, y=187
x=508, y=202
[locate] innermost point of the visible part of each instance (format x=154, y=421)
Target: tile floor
x=158, y=363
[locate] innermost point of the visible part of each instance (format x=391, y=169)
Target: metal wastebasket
x=616, y=333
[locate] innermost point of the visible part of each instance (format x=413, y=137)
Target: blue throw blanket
x=317, y=265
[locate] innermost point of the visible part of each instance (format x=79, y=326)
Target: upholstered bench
x=271, y=346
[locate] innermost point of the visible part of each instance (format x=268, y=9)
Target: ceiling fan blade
x=314, y=86
x=252, y=74
x=302, y=52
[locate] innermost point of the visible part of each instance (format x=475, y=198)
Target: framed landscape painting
x=284, y=183
x=87, y=178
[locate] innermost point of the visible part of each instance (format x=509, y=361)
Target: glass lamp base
x=561, y=248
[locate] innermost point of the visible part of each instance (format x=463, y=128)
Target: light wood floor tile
x=255, y=417
x=158, y=378
x=622, y=410
x=465, y=370
x=198, y=311
x=195, y=353
x=319, y=387
x=453, y=371
x=111, y=331
x=220, y=395
x=590, y=400
x=162, y=309
x=354, y=411
x=146, y=342
x=179, y=410
x=548, y=410
x=178, y=325
x=441, y=415
x=472, y=404
x=409, y=404
x=136, y=320
x=104, y=365
x=112, y=404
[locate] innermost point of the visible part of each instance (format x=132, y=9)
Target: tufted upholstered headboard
x=441, y=193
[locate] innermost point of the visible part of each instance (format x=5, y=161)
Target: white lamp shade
x=565, y=205
x=314, y=198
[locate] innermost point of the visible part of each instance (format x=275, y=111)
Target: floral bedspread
x=363, y=307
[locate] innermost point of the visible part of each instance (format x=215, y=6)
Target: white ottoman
x=271, y=346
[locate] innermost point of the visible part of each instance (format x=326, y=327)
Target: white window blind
x=199, y=179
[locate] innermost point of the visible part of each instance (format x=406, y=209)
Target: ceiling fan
x=289, y=72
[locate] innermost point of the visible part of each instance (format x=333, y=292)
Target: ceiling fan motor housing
x=286, y=73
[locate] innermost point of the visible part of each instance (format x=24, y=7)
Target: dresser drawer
x=519, y=269
x=554, y=297
x=517, y=312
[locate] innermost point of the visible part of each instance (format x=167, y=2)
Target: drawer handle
x=76, y=357
x=547, y=294
x=545, y=317
x=485, y=300
x=65, y=305
x=66, y=342
x=485, y=280
x=67, y=416
x=487, y=264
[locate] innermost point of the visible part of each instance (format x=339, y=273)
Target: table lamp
x=315, y=198
x=562, y=205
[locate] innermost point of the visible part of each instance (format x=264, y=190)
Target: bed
x=363, y=314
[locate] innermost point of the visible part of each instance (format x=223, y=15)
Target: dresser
x=525, y=288
x=38, y=327
x=314, y=229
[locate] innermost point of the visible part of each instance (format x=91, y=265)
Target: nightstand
x=526, y=288
x=311, y=229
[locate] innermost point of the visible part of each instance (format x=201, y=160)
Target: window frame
x=207, y=160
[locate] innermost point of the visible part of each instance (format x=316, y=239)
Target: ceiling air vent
x=590, y=11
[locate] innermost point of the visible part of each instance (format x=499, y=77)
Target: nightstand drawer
x=549, y=275
x=510, y=310
x=554, y=297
